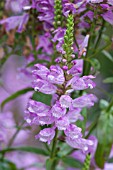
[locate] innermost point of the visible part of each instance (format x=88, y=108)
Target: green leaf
x=7, y=165
x=51, y=163
x=108, y=55
x=110, y=160
x=64, y=149
x=72, y=162
x=103, y=104
x=95, y=63
x=108, y=80
x=15, y=95
x=102, y=154
x=105, y=128
x=41, y=97
x=27, y=149
x=37, y=61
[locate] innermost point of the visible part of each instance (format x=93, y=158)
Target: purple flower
x=38, y=108
x=16, y=6
x=54, y=76
x=46, y=120
x=74, y=114
x=86, y=100
x=32, y=118
x=74, y=70
x=79, y=143
x=73, y=132
x=44, y=87
x=81, y=83
x=95, y=1
x=59, y=38
x=110, y=2
x=108, y=16
x=41, y=71
x=73, y=7
x=75, y=140
x=15, y=21
x=45, y=43
x=65, y=101
x=57, y=110
x=46, y=10
x=83, y=45
x=46, y=135
x=62, y=123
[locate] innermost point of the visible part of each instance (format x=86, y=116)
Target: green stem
x=110, y=105
x=54, y=145
x=47, y=147
x=100, y=35
x=101, y=49
x=15, y=134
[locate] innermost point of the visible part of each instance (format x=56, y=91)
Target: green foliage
x=102, y=154
x=31, y=149
x=37, y=61
x=7, y=165
x=69, y=38
x=108, y=80
x=104, y=133
x=64, y=149
x=51, y=163
x=105, y=128
x=87, y=162
x=72, y=162
x=41, y=97
x=95, y=63
x=108, y=55
x=58, y=18
x=15, y=95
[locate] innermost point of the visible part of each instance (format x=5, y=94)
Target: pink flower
x=57, y=110
x=108, y=16
x=65, y=101
x=82, y=47
x=44, y=87
x=62, y=123
x=46, y=135
x=38, y=108
x=79, y=143
x=15, y=21
x=87, y=100
x=73, y=132
x=74, y=114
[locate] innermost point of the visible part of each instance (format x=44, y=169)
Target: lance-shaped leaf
x=26, y=149
x=7, y=165
x=15, y=95
x=105, y=128
x=41, y=97
x=72, y=162
x=102, y=154
x=108, y=80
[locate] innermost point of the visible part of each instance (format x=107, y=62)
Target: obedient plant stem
x=87, y=162
x=54, y=144
x=15, y=134
x=58, y=17
x=100, y=34
x=69, y=38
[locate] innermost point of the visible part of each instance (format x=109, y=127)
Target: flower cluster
x=60, y=59
x=65, y=111
x=60, y=80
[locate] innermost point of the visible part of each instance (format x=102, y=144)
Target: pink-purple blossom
x=46, y=135
x=15, y=21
